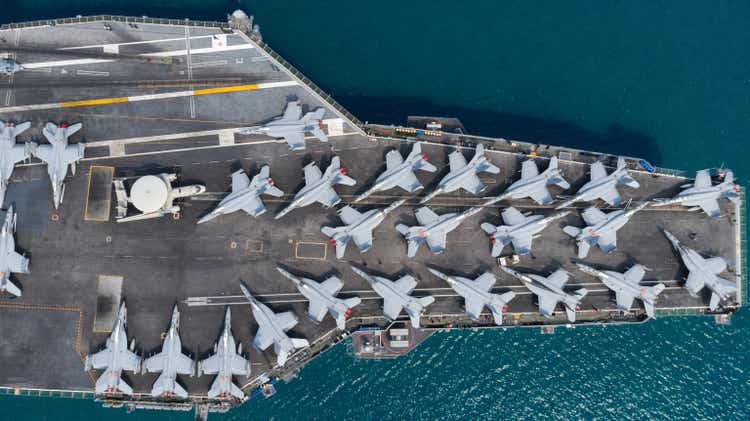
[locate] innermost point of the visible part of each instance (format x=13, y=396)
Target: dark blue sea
x=665, y=80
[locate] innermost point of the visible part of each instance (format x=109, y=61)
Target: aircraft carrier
x=171, y=96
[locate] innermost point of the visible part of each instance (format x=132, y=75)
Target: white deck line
x=119, y=44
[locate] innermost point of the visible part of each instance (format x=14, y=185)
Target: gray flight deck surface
x=45, y=333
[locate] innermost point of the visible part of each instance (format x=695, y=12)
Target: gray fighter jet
x=549, y=291
x=292, y=126
x=477, y=294
x=518, y=229
x=10, y=260
x=463, y=175
x=400, y=172
x=603, y=186
x=702, y=273
x=272, y=329
x=627, y=286
x=9, y=66
x=58, y=155
x=358, y=227
x=115, y=357
x=602, y=228
x=322, y=297
x=11, y=153
x=245, y=194
x=396, y=296
x=226, y=362
x=432, y=229
x=703, y=195
x=534, y=185
x=170, y=362
x=319, y=187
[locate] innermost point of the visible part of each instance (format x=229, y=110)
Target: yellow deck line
x=225, y=89
x=87, y=102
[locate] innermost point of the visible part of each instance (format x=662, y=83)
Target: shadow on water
x=615, y=140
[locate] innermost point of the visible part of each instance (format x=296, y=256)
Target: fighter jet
x=400, y=172
x=10, y=260
x=602, y=228
x=170, y=362
x=226, y=362
x=432, y=229
x=627, y=286
x=58, y=155
x=322, y=297
x=358, y=227
x=518, y=229
x=703, y=195
x=463, y=175
x=115, y=357
x=396, y=296
x=534, y=185
x=603, y=186
x=272, y=329
x=319, y=187
x=11, y=153
x=245, y=194
x=291, y=127
x=9, y=66
x=702, y=272
x=549, y=291
x=477, y=294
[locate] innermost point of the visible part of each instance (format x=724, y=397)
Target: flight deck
x=172, y=96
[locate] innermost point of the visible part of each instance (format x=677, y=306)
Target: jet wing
x=694, y=281
x=635, y=274
x=129, y=361
x=240, y=181
x=547, y=304
x=474, y=306
x=349, y=215
x=456, y=160
x=327, y=197
x=513, y=216
x=716, y=265
x=72, y=154
x=593, y=216
x=100, y=359
x=263, y=338
x=295, y=140
x=17, y=263
x=184, y=364
x=598, y=171
x=557, y=279
x=425, y=216
x=286, y=320
x=155, y=363
x=624, y=300
x=611, y=196
x=711, y=207
x=254, y=206
x=408, y=181
x=405, y=284
x=293, y=112
x=211, y=365
x=393, y=159
x=522, y=243
x=332, y=285
x=607, y=241
x=44, y=152
x=391, y=308
x=472, y=184
x=17, y=153
x=437, y=241
x=541, y=196
x=363, y=239
x=240, y=367
x=529, y=169
x=485, y=282
x=312, y=174
x=317, y=310
x=702, y=179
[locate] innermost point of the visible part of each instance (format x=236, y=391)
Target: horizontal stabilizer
x=352, y=302
x=559, y=181
x=583, y=249
x=628, y=181
x=343, y=179
x=299, y=342
x=426, y=301
x=403, y=229
x=572, y=231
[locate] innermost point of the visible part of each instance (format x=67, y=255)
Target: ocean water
x=664, y=80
